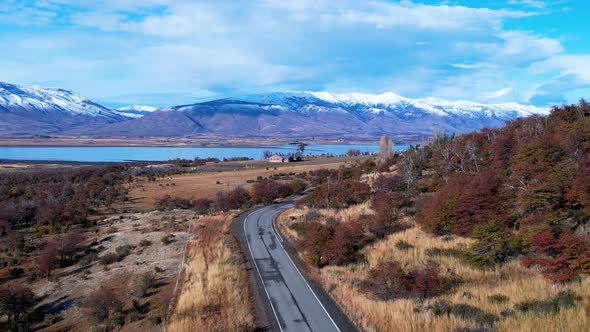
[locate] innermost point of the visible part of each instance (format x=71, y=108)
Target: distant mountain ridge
x=38, y=110
x=291, y=113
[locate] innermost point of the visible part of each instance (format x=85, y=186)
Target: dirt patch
x=140, y=235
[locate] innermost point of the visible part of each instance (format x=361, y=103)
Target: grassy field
x=214, y=178
x=214, y=294
x=512, y=281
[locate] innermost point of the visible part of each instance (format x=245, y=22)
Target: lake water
x=118, y=154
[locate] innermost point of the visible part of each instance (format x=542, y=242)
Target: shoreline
x=198, y=142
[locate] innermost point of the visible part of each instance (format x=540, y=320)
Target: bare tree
x=385, y=148
x=15, y=302
x=102, y=303
x=47, y=258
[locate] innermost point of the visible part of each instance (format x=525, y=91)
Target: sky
x=171, y=52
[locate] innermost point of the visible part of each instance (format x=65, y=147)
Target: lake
x=120, y=154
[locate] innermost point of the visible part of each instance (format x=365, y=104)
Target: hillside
x=486, y=231
x=34, y=110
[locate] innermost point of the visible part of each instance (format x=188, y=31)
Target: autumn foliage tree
x=560, y=257
x=526, y=185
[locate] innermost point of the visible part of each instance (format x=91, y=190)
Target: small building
x=277, y=159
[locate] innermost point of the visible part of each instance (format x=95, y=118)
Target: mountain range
x=49, y=111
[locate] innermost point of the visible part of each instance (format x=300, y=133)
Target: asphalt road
x=294, y=304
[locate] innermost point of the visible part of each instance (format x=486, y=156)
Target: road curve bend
x=294, y=304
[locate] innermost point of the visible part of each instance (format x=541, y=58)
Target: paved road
x=294, y=304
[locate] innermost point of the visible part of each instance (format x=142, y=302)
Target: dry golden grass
x=144, y=194
x=214, y=294
x=512, y=280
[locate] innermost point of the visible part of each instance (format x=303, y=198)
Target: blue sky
x=168, y=52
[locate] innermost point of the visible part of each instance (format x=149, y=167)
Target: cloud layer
x=175, y=51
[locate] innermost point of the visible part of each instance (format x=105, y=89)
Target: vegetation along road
x=293, y=302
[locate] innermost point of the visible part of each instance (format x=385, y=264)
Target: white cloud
x=128, y=47
x=530, y=3
x=498, y=94
x=570, y=72
x=468, y=66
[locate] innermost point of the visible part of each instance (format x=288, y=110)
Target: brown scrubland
x=214, y=295
x=511, y=284
x=487, y=231
x=77, y=252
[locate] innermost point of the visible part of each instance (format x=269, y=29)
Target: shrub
x=102, y=304
x=168, y=202
x=382, y=223
x=561, y=258
x=403, y=245
x=389, y=184
x=112, y=230
x=343, y=244
x=155, y=320
x=202, y=205
x=428, y=282
x=498, y=299
x=88, y=259
x=495, y=245
x=473, y=313
x=167, y=239
x=388, y=281
x=145, y=243
x=441, y=307
x=314, y=239
x=312, y=215
x=123, y=251
x=338, y=194
x=563, y=300
x=297, y=186
x=108, y=259
x=145, y=283
x=235, y=199
x=266, y=191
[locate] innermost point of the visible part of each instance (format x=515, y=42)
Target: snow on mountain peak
x=436, y=106
x=142, y=108
x=35, y=98
x=135, y=111
x=358, y=98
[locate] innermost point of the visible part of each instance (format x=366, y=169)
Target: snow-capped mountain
x=393, y=103
x=36, y=110
x=303, y=113
x=15, y=98
x=135, y=111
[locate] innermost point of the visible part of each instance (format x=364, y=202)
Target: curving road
x=294, y=304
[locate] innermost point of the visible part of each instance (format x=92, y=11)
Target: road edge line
x=302, y=277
